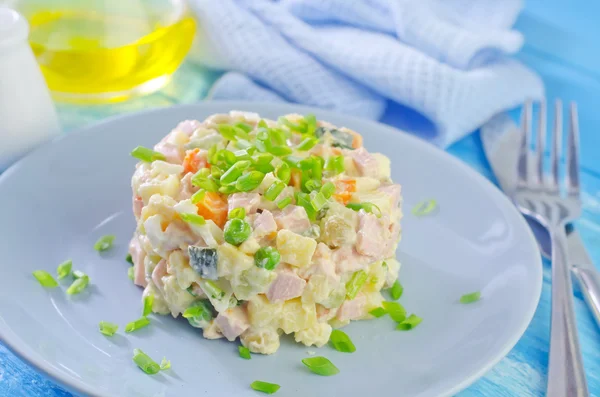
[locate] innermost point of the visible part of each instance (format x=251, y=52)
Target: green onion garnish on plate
x=341, y=341
x=378, y=312
x=129, y=259
x=355, y=283
x=165, y=364
x=148, y=302
x=284, y=202
x=424, y=208
x=265, y=387
x=320, y=366
x=396, y=290
x=130, y=273
x=104, y=243
x=145, y=363
x=244, y=352
x=470, y=298
x=81, y=282
x=411, y=322
x=396, y=311
x=64, y=269
x=45, y=279
x=193, y=219
x=147, y=155
x=107, y=328
x=137, y=324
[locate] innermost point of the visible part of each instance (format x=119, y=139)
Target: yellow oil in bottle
x=92, y=57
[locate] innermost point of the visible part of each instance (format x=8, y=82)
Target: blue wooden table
x=561, y=42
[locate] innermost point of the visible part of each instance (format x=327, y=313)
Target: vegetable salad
x=250, y=228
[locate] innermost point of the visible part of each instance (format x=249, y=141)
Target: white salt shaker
x=27, y=114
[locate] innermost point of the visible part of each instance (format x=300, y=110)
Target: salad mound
x=251, y=228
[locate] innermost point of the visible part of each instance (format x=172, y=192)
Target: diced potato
x=384, y=166
x=295, y=316
x=295, y=249
x=253, y=281
x=178, y=265
x=264, y=341
x=380, y=199
x=159, y=305
x=168, y=186
x=377, y=276
x=263, y=313
x=317, y=335
x=366, y=184
x=162, y=168
x=374, y=300
x=232, y=261
x=250, y=246
x=317, y=289
x=179, y=299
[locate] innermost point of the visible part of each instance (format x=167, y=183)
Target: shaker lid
x=13, y=28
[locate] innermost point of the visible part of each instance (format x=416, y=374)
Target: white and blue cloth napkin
x=447, y=59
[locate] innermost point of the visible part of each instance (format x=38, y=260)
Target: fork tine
x=556, y=143
x=541, y=143
x=573, y=152
x=523, y=162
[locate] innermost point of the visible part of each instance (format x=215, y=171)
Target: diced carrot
x=344, y=189
x=296, y=178
x=193, y=161
x=357, y=140
x=213, y=206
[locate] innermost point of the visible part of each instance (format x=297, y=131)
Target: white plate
x=56, y=202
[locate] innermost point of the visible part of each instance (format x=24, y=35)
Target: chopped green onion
x=227, y=131
x=396, y=290
x=236, y=231
x=328, y=189
x=284, y=202
x=79, y=284
x=165, y=364
x=104, y=243
x=129, y=258
x=216, y=172
x=199, y=311
x=148, y=302
x=244, y=352
x=212, y=289
x=45, y=279
x=265, y=387
x=355, y=283
x=240, y=133
x=312, y=184
x=237, y=213
x=78, y=274
x=246, y=127
x=211, y=156
x=107, y=328
x=283, y=173
x=227, y=156
x=411, y=322
x=274, y=190
x=204, y=182
x=318, y=201
x=194, y=219
x=228, y=189
x=280, y=150
x=267, y=258
x=145, y=363
x=335, y=164
x=368, y=207
x=198, y=196
x=243, y=144
x=277, y=136
x=137, y=324
x=311, y=123
x=320, y=366
x=470, y=298
x=307, y=144
x=291, y=125
x=242, y=155
x=130, y=273
x=249, y=181
x=292, y=161
x=264, y=168
x=64, y=269
x=263, y=158
x=396, y=311
x=147, y=155
x=341, y=341
x=378, y=312
x=424, y=208
x=303, y=200
x=232, y=174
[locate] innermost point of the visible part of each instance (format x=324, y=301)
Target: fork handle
x=589, y=281
x=566, y=376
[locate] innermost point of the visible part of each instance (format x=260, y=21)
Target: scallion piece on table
x=147, y=155
x=165, y=364
x=79, y=284
x=78, y=274
x=355, y=283
x=194, y=219
x=274, y=190
x=107, y=328
x=198, y=196
x=341, y=341
x=424, y=208
x=396, y=311
x=396, y=290
x=148, y=302
x=249, y=181
x=104, y=243
x=368, y=207
x=137, y=324
x=265, y=387
x=244, y=352
x=284, y=202
x=267, y=258
x=145, y=363
x=378, y=312
x=328, y=189
x=237, y=213
x=411, y=322
x=470, y=298
x=131, y=273
x=64, y=269
x=236, y=231
x=129, y=258
x=320, y=366
x=45, y=279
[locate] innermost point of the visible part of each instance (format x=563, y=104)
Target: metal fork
x=539, y=195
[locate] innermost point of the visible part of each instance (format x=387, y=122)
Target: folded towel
x=447, y=59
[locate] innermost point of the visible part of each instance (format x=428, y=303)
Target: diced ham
x=173, y=237
x=293, y=218
x=286, y=286
x=347, y=259
x=393, y=240
x=138, y=255
x=172, y=152
x=188, y=126
x=186, y=189
x=264, y=225
x=394, y=192
x=365, y=162
x=352, y=309
x=373, y=235
x=159, y=272
x=233, y=322
x=247, y=201
x=138, y=204
x=322, y=263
